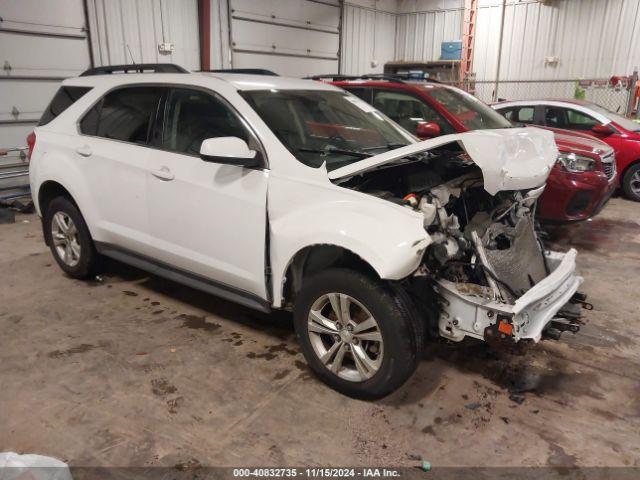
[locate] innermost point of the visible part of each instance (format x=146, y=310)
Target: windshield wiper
x=389, y=146
x=336, y=151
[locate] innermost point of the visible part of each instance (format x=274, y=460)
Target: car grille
x=609, y=165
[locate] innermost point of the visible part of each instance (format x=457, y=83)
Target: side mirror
x=603, y=130
x=426, y=130
x=229, y=151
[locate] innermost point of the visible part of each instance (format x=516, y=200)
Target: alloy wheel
x=64, y=234
x=634, y=183
x=345, y=337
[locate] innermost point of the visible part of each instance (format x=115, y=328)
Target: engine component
x=514, y=255
x=428, y=209
x=411, y=200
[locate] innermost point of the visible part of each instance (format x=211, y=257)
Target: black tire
x=88, y=260
x=401, y=328
x=626, y=183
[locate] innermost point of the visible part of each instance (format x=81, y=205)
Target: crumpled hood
x=510, y=159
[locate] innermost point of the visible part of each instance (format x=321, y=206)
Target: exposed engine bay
x=484, y=247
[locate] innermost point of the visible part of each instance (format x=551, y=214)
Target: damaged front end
x=485, y=267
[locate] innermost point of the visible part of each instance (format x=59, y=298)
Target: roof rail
x=246, y=71
x=332, y=76
x=135, y=68
x=406, y=76
x=370, y=76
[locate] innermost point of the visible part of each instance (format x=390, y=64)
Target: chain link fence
x=615, y=99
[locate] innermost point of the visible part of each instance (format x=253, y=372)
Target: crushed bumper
x=474, y=314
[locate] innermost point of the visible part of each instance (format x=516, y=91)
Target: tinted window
x=519, y=114
x=193, y=116
x=363, y=93
x=63, y=99
x=408, y=110
x=125, y=114
x=469, y=111
x=555, y=117
x=89, y=123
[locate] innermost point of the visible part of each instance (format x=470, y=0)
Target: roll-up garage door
x=41, y=43
x=290, y=37
x=144, y=31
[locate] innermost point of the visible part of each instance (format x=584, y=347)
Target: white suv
x=285, y=193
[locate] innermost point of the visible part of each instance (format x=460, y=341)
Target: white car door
x=114, y=157
x=207, y=219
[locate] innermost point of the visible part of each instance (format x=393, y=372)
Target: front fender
x=388, y=237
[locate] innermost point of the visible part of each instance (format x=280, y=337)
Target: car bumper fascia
x=466, y=315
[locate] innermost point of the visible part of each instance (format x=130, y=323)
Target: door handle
x=163, y=174
x=84, y=151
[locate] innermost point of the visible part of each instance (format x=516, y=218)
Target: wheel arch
x=627, y=167
x=49, y=190
x=315, y=258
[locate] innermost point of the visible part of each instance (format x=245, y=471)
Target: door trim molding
x=184, y=277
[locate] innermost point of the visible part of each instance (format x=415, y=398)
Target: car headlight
x=576, y=163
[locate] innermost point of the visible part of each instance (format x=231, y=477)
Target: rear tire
x=69, y=239
x=631, y=183
x=362, y=360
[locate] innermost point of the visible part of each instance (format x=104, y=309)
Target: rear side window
x=555, y=117
x=125, y=114
x=63, y=99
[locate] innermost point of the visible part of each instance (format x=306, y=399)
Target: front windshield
x=319, y=126
x=624, y=122
x=470, y=111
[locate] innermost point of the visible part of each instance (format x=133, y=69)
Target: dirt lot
x=134, y=370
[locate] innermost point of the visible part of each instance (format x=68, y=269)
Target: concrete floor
x=138, y=371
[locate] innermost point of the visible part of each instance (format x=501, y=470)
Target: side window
x=555, y=117
x=126, y=114
x=580, y=121
x=408, y=110
x=363, y=93
x=507, y=113
x=519, y=114
x=63, y=99
x=192, y=116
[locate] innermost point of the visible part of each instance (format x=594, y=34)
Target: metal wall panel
x=40, y=43
x=128, y=31
x=301, y=35
x=368, y=40
x=284, y=66
x=414, y=6
x=419, y=35
x=591, y=38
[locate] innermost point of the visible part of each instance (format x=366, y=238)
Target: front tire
x=69, y=239
x=358, y=335
x=631, y=183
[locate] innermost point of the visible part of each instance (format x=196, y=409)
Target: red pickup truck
x=581, y=182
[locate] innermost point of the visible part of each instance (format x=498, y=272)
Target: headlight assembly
x=576, y=163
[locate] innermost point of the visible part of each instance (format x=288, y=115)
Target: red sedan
x=581, y=182
x=617, y=131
